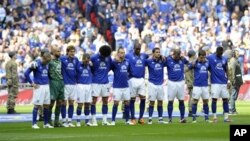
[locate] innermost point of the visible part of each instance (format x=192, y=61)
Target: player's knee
x=159, y=103
x=142, y=97
x=225, y=99
x=205, y=101
x=152, y=103
x=132, y=98
x=195, y=101
x=214, y=100
x=80, y=105
x=116, y=103
x=170, y=102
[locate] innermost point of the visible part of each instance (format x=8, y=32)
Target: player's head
x=176, y=54
x=202, y=55
x=121, y=53
x=12, y=54
x=56, y=52
x=71, y=51
x=105, y=50
x=46, y=57
x=219, y=51
x=236, y=53
x=156, y=53
x=137, y=48
x=85, y=58
x=191, y=53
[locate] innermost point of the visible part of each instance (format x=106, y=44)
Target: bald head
x=56, y=52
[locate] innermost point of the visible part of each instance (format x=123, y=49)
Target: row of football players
x=88, y=79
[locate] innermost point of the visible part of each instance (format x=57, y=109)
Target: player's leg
x=57, y=113
x=104, y=110
x=117, y=96
x=96, y=90
x=190, y=102
x=225, y=99
x=171, y=91
x=205, y=97
x=160, y=97
x=70, y=112
x=152, y=94
x=105, y=96
x=195, y=98
x=87, y=101
x=142, y=108
x=46, y=106
x=72, y=98
x=160, y=112
x=40, y=113
x=194, y=109
x=34, y=117
x=180, y=97
x=150, y=111
x=215, y=93
x=133, y=94
x=93, y=110
x=79, y=113
x=86, y=113
x=46, y=116
x=142, y=95
x=37, y=101
x=114, y=111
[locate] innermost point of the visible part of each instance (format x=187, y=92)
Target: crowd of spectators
x=27, y=26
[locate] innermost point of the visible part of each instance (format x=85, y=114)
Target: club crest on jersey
x=123, y=68
x=102, y=65
x=157, y=66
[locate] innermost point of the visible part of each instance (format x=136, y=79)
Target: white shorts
x=137, y=87
x=200, y=92
x=100, y=90
x=155, y=92
x=120, y=94
x=84, y=93
x=219, y=91
x=175, y=89
x=70, y=92
x=41, y=95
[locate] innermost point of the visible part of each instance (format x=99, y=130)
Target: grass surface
x=200, y=131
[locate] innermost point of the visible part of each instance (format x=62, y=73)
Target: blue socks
x=206, y=111
x=182, y=109
x=114, y=111
x=214, y=105
x=93, y=109
x=225, y=106
x=160, y=110
x=194, y=110
x=132, y=108
x=78, y=112
x=63, y=111
x=126, y=110
x=170, y=109
x=86, y=113
x=150, y=110
x=46, y=115
x=34, y=115
x=70, y=111
x=104, y=109
x=142, y=108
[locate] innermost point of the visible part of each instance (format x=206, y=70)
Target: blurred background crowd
x=27, y=26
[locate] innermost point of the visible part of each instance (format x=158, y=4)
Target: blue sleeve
x=112, y=65
x=27, y=75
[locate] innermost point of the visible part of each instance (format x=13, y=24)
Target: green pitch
x=200, y=131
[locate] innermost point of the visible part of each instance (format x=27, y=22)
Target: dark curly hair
x=105, y=50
